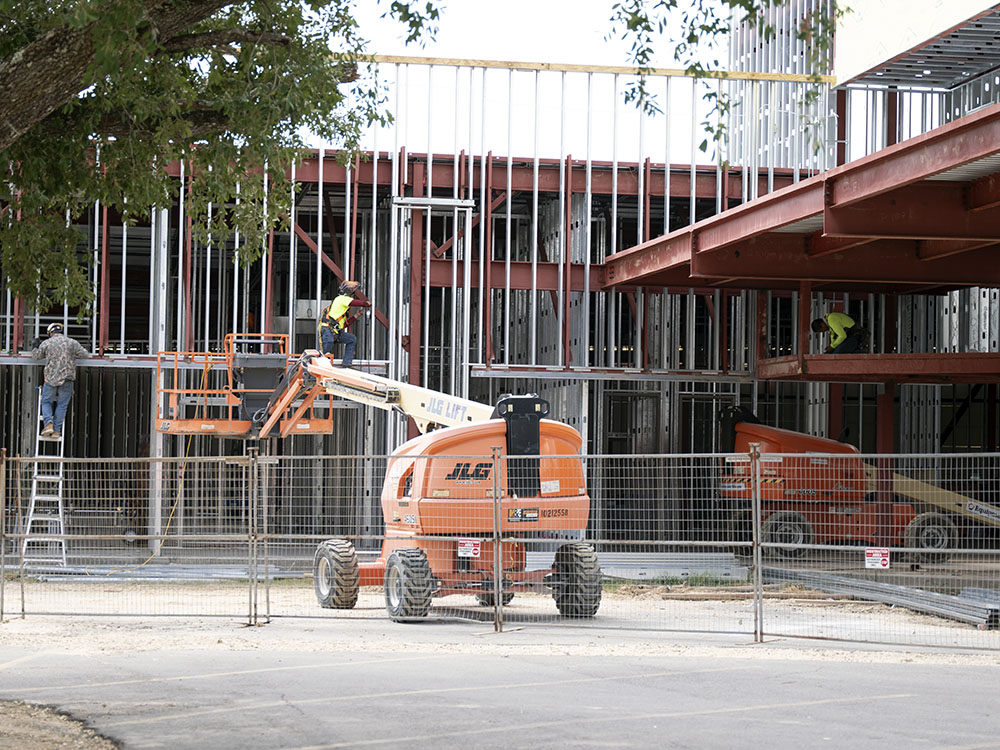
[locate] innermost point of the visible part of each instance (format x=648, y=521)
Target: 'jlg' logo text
x=462, y=473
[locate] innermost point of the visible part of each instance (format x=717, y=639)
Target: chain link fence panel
x=889, y=549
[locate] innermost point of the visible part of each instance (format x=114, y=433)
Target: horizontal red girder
x=881, y=368
x=782, y=256
x=659, y=255
x=969, y=138
x=927, y=210
x=873, y=211
x=547, y=275
x=818, y=244
x=931, y=249
x=764, y=214
x=984, y=193
x=522, y=176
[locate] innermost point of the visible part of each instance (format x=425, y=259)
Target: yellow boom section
x=428, y=408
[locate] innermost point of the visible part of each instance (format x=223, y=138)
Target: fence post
x=758, y=577
x=267, y=559
x=21, y=530
x=251, y=541
x=497, y=551
x=3, y=525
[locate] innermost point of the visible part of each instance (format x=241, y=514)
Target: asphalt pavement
x=294, y=684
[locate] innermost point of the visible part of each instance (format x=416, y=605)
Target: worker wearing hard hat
x=336, y=319
x=60, y=353
x=846, y=336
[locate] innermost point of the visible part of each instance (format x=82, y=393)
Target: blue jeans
x=60, y=394
x=348, y=339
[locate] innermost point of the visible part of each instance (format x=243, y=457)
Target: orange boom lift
x=475, y=474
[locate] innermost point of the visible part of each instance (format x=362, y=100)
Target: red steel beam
x=818, y=244
x=663, y=253
x=804, y=311
x=441, y=249
x=780, y=257
x=932, y=249
x=417, y=251
x=567, y=244
x=984, y=193
x=759, y=216
x=929, y=211
x=925, y=211
x=336, y=269
x=974, y=367
x=967, y=139
x=602, y=178
x=520, y=275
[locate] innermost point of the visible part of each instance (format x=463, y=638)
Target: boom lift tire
x=786, y=527
x=409, y=585
x=335, y=574
x=931, y=531
x=486, y=599
x=577, y=584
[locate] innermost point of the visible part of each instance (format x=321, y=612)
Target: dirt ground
x=28, y=727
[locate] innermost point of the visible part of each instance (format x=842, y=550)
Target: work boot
x=55, y=435
x=47, y=429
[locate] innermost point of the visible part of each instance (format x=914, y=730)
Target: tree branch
x=202, y=121
x=223, y=38
x=47, y=73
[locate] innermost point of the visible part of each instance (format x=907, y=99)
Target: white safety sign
x=877, y=557
x=469, y=547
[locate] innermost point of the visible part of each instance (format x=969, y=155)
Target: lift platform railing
x=230, y=393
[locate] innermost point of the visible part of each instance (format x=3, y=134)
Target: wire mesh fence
x=896, y=549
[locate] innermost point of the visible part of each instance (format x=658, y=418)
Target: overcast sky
x=558, y=31
x=566, y=31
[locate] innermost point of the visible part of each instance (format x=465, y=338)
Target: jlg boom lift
x=821, y=491
x=442, y=521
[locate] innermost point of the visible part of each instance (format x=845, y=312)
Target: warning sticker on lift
x=522, y=515
x=984, y=511
x=877, y=557
x=469, y=547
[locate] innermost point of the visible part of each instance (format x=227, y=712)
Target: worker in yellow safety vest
x=846, y=336
x=337, y=317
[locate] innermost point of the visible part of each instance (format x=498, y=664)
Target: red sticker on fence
x=877, y=557
x=469, y=547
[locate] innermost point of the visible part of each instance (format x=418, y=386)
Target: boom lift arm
x=314, y=374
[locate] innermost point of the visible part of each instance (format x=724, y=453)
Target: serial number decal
x=522, y=515
x=554, y=512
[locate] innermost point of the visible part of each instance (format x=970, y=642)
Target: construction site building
x=483, y=240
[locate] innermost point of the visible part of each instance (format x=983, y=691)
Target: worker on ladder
x=60, y=353
x=336, y=319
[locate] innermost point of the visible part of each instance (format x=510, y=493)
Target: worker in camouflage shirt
x=60, y=353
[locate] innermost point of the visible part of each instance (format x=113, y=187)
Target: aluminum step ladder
x=44, y=544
